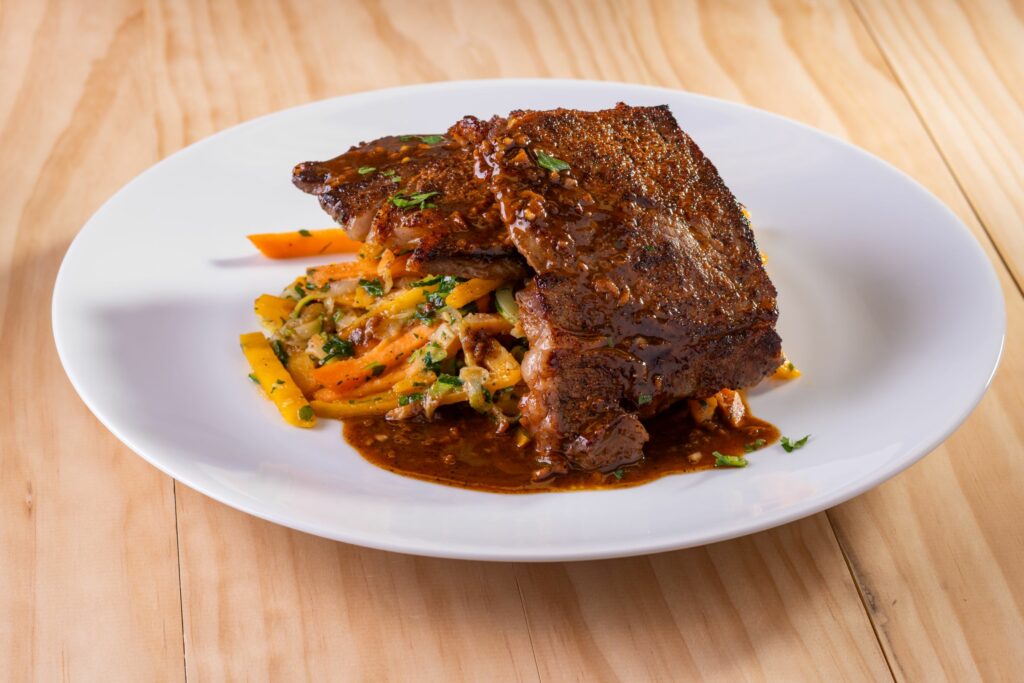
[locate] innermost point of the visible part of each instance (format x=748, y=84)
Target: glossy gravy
x=461, y=449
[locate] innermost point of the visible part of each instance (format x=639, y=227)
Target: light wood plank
x=275, y=604
x=776, y=606
x=962, y=63
x=88, y=569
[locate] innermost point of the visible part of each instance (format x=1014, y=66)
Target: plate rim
x=594, y=551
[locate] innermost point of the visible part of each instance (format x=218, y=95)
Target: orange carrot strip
x=345, y=270
x=298, y=243
x=353, y=372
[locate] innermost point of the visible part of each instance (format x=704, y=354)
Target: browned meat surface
x=418, y=193
x=649, y=285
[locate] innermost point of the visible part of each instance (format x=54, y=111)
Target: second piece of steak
x=418, y=193
x=649, y=285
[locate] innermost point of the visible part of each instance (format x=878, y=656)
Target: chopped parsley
x=305, y=233
x=306, y=413
x=277, y=383
x=650, y=248
x=373, y=287
x=416, y=200
x=336, y=347
x=444, y=287
x=375, y=368
x=790, y=446
x=391, y=174
x=279, y=351
x=433, y=354
x=424, y=313
x=729, y=460
x=619, y=473
x=409, y=398
x=549, y=162
x=451, y=380
x=756, y=445
x=644, y=399
x=428, y=139
x=363, y=170
x=299, y=290
x=254, y=378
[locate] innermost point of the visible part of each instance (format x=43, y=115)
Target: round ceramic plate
x=888, y=305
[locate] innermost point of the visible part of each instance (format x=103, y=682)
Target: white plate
x=888, y=305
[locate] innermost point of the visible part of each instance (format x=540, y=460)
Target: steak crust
x=454, y=231
x=649, y=285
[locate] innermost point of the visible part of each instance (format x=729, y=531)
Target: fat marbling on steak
x=455, y=229
x=649, y=286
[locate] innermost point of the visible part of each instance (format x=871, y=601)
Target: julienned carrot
x=504, y=374
x=347, y=270
x=376, y=385
x=348, y=374
x=304, y=243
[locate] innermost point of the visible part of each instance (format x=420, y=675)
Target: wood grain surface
x=110, y=571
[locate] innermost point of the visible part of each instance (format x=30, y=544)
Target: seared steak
x=418, y=193
x=649, y=286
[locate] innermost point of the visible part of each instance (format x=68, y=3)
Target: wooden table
x=111, y=571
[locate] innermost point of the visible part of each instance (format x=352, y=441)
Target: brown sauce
x=461, y=449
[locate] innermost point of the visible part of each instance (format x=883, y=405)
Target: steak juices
x=639, y=282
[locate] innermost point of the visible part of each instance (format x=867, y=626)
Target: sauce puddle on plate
x=461, y=449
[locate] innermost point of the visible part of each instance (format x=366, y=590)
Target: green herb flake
x=409, y=398
x=729, y=460
x=790, y=446
x=428, y=139
x=757, y=444
x=306, y=413
x=253, y=378
x=376, y=368
x=619, y=474
x=416, y=200
x=545, y=160
x=279, y=351
x=650, y=248
x=299, y=290
x=373, y=287
x=305, y=233
x=364, y=170
x=450, y=380
x=336, y=347
x=424, y=313
x=391, y=174
x=644, y=399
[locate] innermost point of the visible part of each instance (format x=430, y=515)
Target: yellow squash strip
x=471, y=290
x=363, y=407
x=786, y=371
x=389, y=307
x=273, y=311
x=276, y=382
x=298, y=243
x=300, y=367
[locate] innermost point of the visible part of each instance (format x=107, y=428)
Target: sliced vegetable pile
x=367, y=337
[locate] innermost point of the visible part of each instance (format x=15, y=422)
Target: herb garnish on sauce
x=545, y=160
